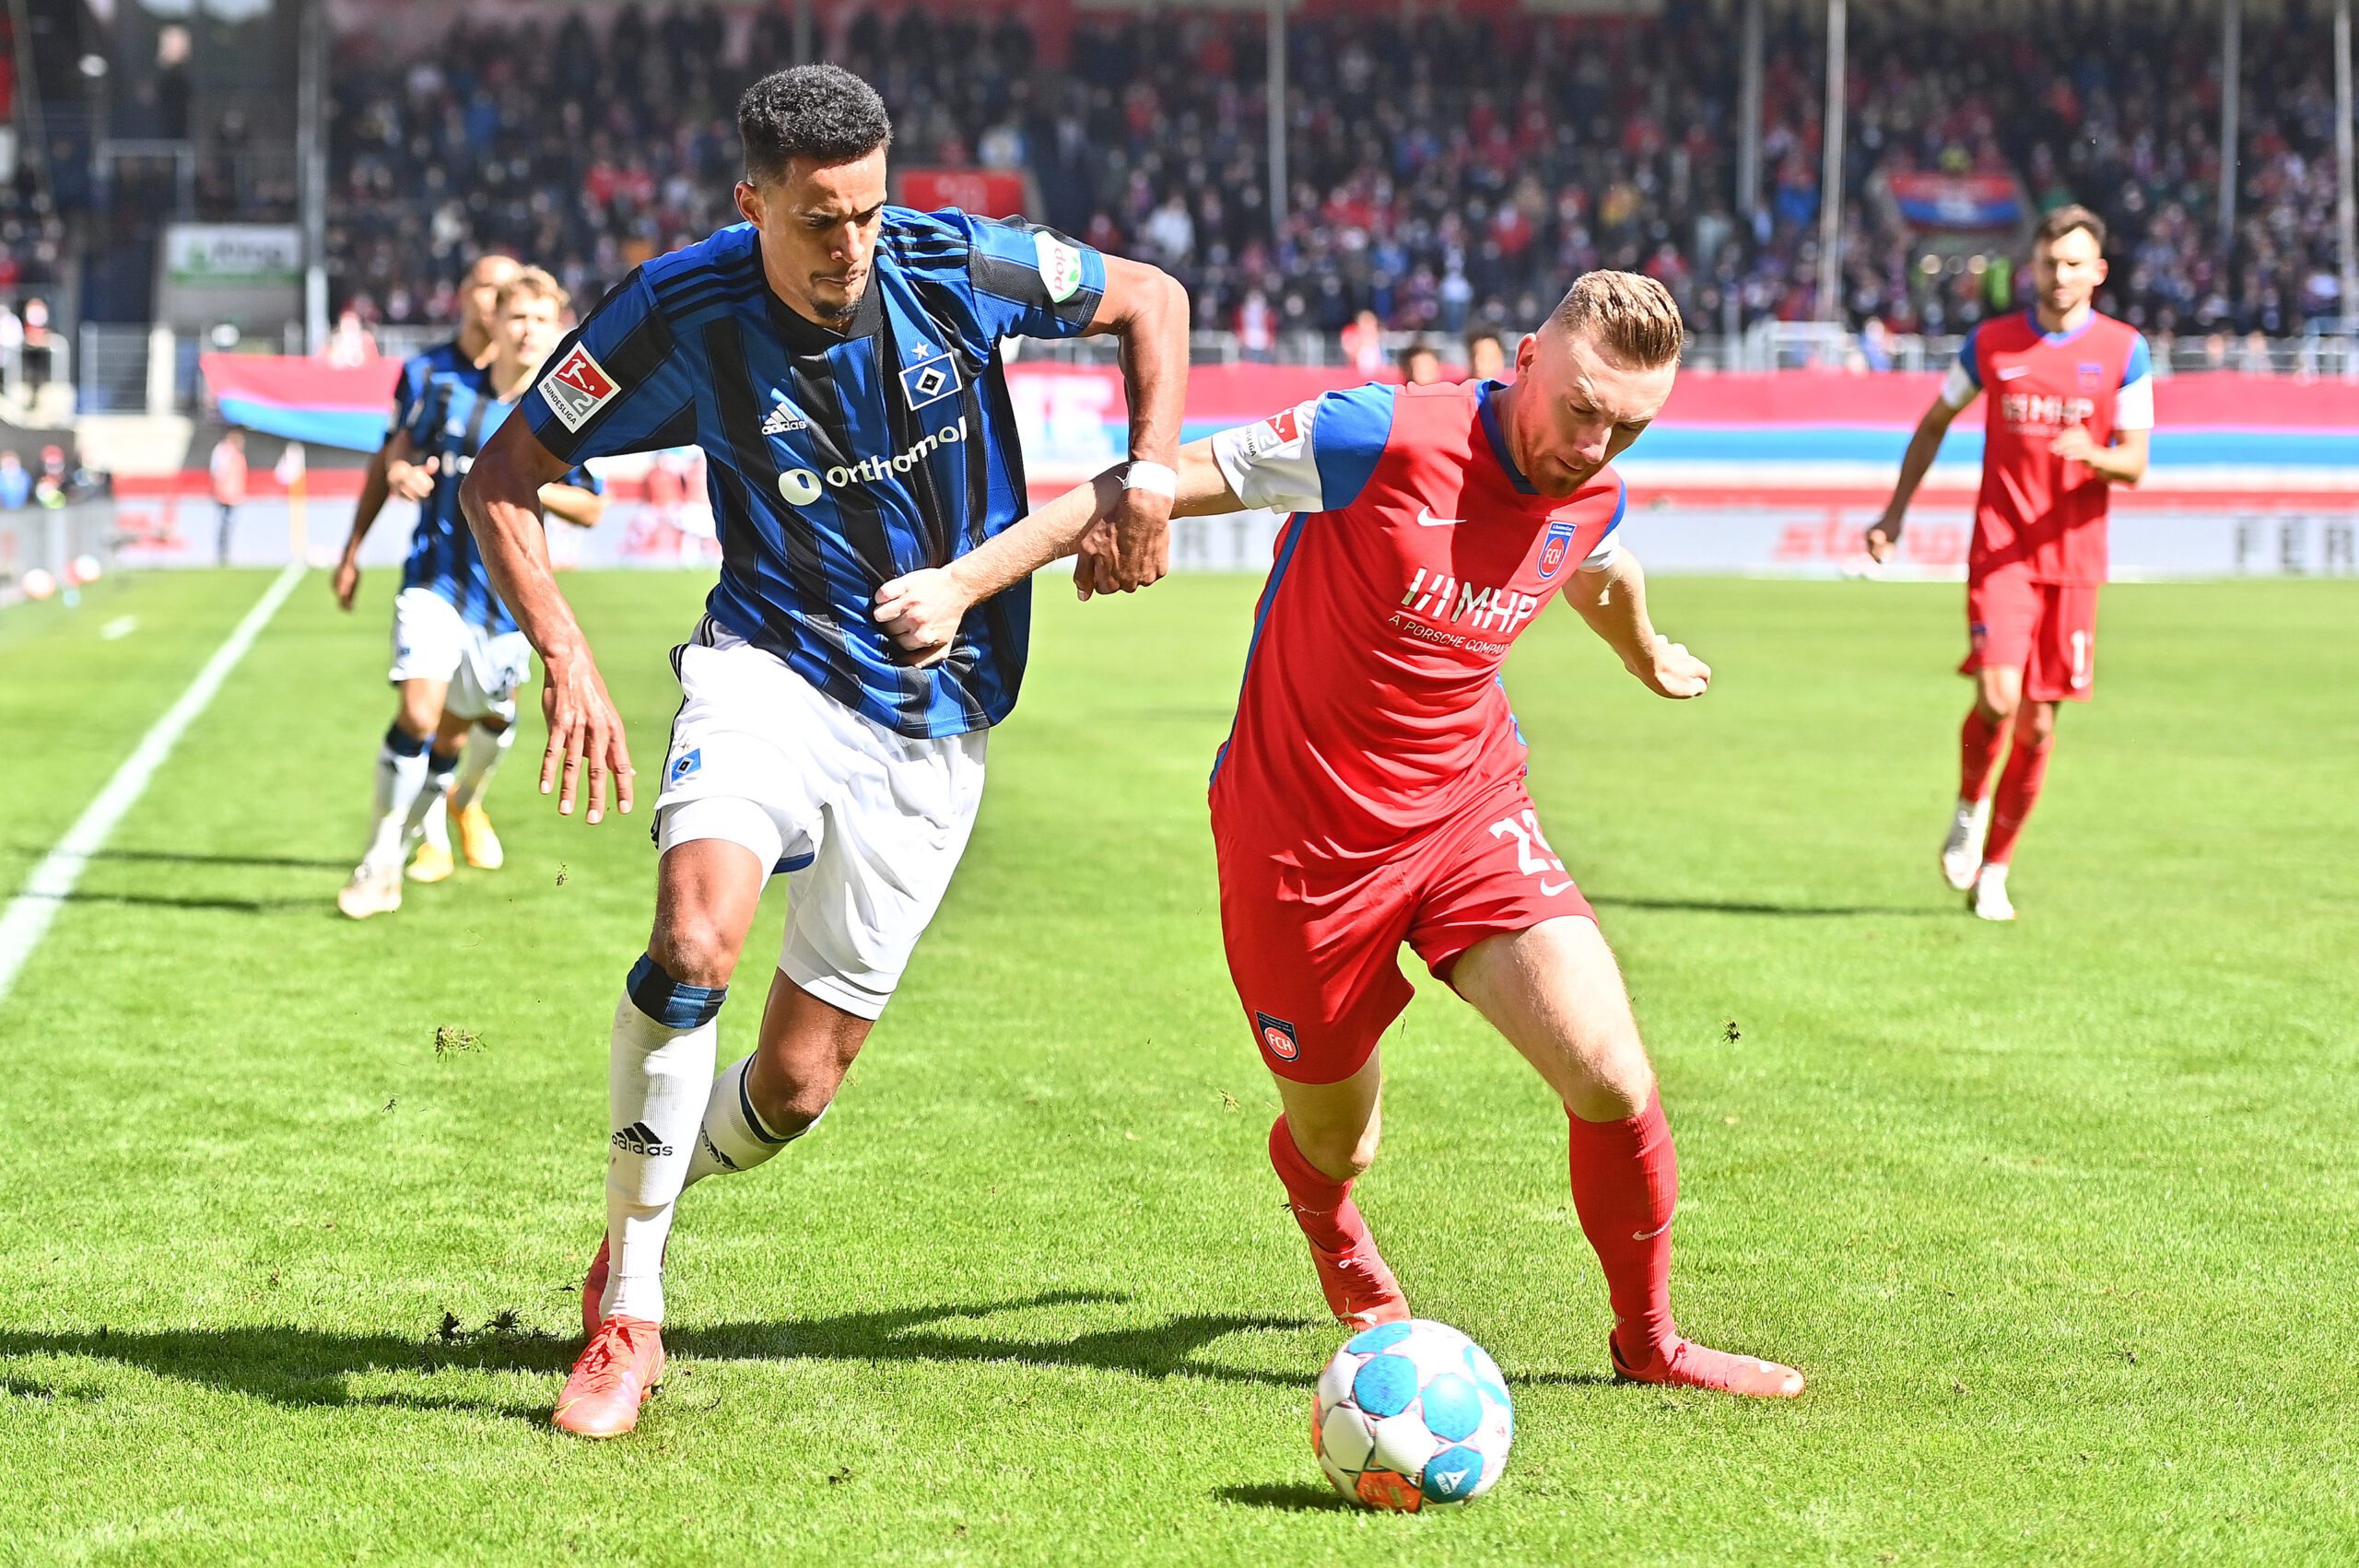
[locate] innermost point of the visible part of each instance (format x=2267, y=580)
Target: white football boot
x=1961, y=851
x=1989, y=900
x=371, y=890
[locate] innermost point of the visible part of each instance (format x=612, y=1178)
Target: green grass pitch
x=2059, y=1218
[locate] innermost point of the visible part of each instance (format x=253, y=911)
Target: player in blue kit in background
x=839, y=362
x=457, y=654
x=469, y=350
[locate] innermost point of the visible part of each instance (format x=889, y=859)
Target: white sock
x=484, y=749
x=436, y=828
x=735, y=1138
x=428, y=818
x=401, y=777
x=659, y=1073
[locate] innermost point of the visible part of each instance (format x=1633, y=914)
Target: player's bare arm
x=1883, y=535
x=2124, y=463
x=1147, y=309
x=587, y=751
x=571, y=503
x=373, y=493
x=416, y=482
x=1614, y=603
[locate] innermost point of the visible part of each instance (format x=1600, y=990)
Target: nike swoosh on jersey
x=2012, y=371
x=1548, y=892
x=1425, y=519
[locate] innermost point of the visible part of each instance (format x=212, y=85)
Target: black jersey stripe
x=739, y=406
x=832, y=433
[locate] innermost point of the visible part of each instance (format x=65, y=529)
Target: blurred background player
x=838, y=361
x=1420, y=366
x=229, y=472
x=1487, y=358
x=457, y=654
x=478, y=296
x=2072, y=409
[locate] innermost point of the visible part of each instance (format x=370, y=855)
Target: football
x=1408, y=1415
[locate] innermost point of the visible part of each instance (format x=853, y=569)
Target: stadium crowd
x=1445, y=175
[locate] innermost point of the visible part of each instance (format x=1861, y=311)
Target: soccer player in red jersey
x=2071, y=407
x=1372, y=790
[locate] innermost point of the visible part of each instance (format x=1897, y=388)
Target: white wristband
x=1154, y=477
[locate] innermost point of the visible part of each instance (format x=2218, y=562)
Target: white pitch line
x=52, y=880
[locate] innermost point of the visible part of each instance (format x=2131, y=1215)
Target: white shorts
x=434, y=642
x=866, y=823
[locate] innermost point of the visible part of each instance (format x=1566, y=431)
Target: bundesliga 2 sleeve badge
x=577, y=389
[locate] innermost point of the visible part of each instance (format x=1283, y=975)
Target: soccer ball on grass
x=1409, y=1414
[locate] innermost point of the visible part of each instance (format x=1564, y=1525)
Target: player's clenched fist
x=922, y=611
x=1675, y=672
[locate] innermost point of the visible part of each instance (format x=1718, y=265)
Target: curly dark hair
x=821, y=112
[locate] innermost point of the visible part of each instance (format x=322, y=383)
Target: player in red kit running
x=1372, y=790
x=2072, y=406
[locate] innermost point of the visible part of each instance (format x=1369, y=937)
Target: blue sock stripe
x=754, y=1123
x=669, y=1002
x=402, y=744
x=440, y=767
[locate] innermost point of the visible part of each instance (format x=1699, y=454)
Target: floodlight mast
x=1830, y=181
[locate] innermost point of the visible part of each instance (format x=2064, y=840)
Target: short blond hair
x=532, y=283
x=1634, y=317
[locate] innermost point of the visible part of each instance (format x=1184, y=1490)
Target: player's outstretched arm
x=502, y=499
x=1884, y=536
x=1614, y=603
x=1147, y=309
x=922, y=611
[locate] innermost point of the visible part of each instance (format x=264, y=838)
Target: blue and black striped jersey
x=454, y=415
x=418, y=370
x=838, y=461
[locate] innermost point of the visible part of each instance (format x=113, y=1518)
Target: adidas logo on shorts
x=640, y=1139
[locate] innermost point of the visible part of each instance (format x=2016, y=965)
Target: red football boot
x=1691, y=1365
x=1361, y=1292
x=594, y=1289
x=623, y=1364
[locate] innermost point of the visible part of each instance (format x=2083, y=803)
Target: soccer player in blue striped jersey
x=457, y=654
x=478, y=296
x=838, y=361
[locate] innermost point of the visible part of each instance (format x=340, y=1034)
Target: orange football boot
x=1360, y=1289
x=1691, y=1365
x=623, y=1364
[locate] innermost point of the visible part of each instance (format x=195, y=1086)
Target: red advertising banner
x=986, y=193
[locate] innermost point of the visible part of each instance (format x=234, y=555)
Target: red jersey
x=2039, y=513
x=1372, y=708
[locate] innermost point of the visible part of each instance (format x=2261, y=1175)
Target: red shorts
x=2048, y=630
x=1316, y=958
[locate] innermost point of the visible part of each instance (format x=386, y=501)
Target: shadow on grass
x=1804, y=911
x=303, y=1367
x=178, y=858
x=1287, y=1497
x=233, y=906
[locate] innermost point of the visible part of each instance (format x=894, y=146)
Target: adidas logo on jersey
x=640, y=1139
x=783, y=419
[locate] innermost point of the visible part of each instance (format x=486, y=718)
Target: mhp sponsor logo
x=1277, y=1037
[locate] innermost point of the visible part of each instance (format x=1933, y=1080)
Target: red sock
x=1977, y=747
x=1322, y=1206
x=1626, y=1188
x=2018, y=787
